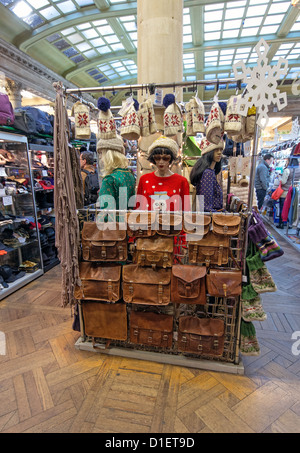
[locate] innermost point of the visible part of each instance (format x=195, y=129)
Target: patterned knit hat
x=164, y=142
x=130, y=125
x=207, y=146
x=106, y=122
x=215, y=124
x=172, y=116
x=113, y=144
x=81, y=114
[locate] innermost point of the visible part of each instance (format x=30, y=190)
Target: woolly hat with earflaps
x=106, y=123
x=164, y=142
x=206, y=146
x=113, y=144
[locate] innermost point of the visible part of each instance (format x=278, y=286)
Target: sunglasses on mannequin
x=164, y=157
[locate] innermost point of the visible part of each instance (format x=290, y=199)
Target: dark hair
x=88, y=156
x=201, y=165
x=82, y=149
x=268, y=156
x=160, y=150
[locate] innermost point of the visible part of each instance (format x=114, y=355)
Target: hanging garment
x=287, y=204
x=67, y=236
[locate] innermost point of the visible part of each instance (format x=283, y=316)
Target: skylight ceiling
x=99, y=47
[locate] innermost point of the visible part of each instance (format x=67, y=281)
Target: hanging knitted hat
x=151, y=117
x=232, y=124
x=249, y=344
x=113, y=144
x=198, y=113
x=130, y=125
x=189, y=119
x=205, y=146
x=172, y=116
x=106, y=122
x=81, y=114
x=215, y=124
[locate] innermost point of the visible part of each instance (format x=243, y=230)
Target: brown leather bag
x=146, y=286
x=212, y=249
x=188, y=284
x=141, y=224
x=157, y=251
x=103, y=244
x=151, y=329
x=224, y=283
x=169, y=224
x=105, y=320
x=192, y=221
x=99, y=282
x=226, y=224
x=201, y=335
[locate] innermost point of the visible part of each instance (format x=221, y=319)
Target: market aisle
x=46, y=385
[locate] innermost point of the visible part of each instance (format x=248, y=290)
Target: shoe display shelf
x=20, y=250
x=42, y=167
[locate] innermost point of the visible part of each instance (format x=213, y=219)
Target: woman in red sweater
x=163, y=190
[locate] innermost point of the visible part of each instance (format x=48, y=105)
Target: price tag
x=2, y=193
x=3, y=172
x=44, y=173
x=7, y=201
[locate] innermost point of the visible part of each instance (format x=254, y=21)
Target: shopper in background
x=262, y=178
x=204, y=175
x=90, y=179
x=115, y=172
x=290, y=173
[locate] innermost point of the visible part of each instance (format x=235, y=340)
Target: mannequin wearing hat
x=163, y=190
x=204, y=172
x=116, y=174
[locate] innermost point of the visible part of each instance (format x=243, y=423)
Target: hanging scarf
x=67, y=236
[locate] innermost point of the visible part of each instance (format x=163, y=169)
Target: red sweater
x=165, y=192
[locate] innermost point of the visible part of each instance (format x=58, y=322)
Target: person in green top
x=118, y=182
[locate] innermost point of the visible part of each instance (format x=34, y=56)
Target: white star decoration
x=261, y=84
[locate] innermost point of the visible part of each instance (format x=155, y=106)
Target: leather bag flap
x=213, y=240
x=145, y=276
x=91, y=232
x=188, y=273
x=220, y=282
x=190, y=220
x=92, y=271
x=201, y=326
x=141, y=221
x=226, y=220
x=160, y=244
x=168, y=219
x=151, y=321
x=105, y=320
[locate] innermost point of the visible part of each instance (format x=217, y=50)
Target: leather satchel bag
x=99, y=244
x=157, y=251
x=99, y=282
x=193, y=222
x=212, y=249
x=105, y=320
x=201, y=335
x=151, y=329
x=224, y=283
x=141, y=224
x=226, y=224
x=169, y=224
x=188, y=284
x=146, y=286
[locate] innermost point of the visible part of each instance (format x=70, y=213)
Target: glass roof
x=103, y=44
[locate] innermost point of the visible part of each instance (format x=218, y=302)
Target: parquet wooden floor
x=48, y=386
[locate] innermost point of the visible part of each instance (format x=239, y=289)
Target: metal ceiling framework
x=94, y=42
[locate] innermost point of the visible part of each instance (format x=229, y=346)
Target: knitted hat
x=106, y=122
x=130, y=125
x=114, y=144
x=172, y=116
x=81, y=114
x=233, y=124
x=215, y=124
x=198, y=113
x=206, y=146
x=164, y=142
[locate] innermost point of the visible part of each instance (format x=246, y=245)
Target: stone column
x=160, y=50
x=13, y=90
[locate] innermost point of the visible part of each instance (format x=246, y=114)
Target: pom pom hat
x=106, y=122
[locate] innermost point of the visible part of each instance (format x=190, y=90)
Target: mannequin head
x=110, y=160
x=162, y=153
x=209, y=159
